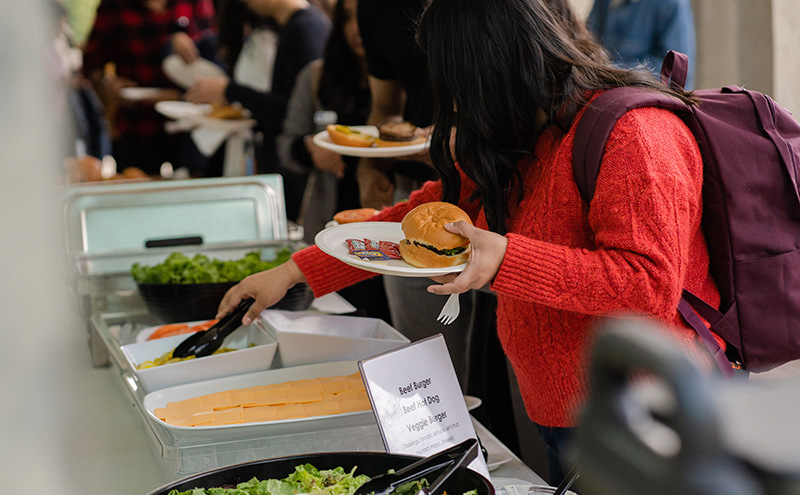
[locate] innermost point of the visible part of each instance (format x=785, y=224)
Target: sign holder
x=417, y=400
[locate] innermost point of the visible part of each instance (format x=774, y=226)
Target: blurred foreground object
x=656, y=424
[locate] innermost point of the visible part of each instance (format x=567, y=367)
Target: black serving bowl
x=173, y=303
x=369, y=463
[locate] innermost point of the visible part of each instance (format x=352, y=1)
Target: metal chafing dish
x=109, y=227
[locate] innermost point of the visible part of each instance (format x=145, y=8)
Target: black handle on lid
x=194, y=240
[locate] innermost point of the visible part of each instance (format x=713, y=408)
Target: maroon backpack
x=751, y=210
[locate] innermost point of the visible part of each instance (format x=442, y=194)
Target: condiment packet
x=372, y=250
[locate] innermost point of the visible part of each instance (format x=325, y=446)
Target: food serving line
x=110, y=227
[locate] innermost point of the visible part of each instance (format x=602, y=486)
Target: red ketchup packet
x=372, y=250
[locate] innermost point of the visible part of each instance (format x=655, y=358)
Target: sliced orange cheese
x=242, y=398
x=279, y=401
x=321, y=408
x=257, y=414
x=270, y=397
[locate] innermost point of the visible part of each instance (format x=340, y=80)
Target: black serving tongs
x=205, y=342
x=455, y=458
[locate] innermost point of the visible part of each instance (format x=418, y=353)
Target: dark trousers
x=557, y=440
x=488, y=376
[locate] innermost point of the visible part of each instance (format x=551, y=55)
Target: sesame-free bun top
x=424, y=229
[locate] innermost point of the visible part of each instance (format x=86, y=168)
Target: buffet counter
x=110, y=439
x=117, y=450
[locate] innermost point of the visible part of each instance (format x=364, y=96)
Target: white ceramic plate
x=332, y=241
x=181, y=109
x=184, y=75
x=138, y=93
x=322, y=140
x=197, y=115
x=472, y=402
x=497, y=458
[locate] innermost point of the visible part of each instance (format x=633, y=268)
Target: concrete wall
x=752, y=43
x=786, y=46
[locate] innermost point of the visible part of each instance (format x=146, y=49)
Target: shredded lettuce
x=443, y=252
x=305, y=479
x=200, y=269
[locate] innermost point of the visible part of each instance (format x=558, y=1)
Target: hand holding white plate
x=184, y=75
x=332, y=242
x=198, y=114
x=182, y=109
x=140, y=93
x=323, y=140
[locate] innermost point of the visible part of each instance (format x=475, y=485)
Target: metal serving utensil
x=454, y=459
x=205, y=342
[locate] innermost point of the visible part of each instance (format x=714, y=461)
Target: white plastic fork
x=450, y=310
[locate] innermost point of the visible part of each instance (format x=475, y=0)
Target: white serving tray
x=314, y=338
x=244, y=360
x=182, y=434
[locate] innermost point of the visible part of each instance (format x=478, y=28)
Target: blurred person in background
x=126, y=47
x=643, y=31
x=332, y=89
x=302, y=31
x=78, y=106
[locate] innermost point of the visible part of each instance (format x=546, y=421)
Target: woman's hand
x=183, y=46
x=423, y=156
x=208, y=90
x=325, y=160
x=267, y=288
x=488, y=251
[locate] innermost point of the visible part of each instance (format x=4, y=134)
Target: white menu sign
x=417, y=400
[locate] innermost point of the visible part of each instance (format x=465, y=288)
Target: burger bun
x=344, y=135
x=426, y=237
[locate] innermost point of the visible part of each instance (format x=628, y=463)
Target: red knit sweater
x=566, y=264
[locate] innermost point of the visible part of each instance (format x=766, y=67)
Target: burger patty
x=397, y=131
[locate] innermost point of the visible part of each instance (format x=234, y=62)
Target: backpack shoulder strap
x=597, y=122
x=675, y=70
x=603, y=112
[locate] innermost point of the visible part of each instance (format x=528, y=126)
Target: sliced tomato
x=356, y=215
x=169, y=330
x=203, y=326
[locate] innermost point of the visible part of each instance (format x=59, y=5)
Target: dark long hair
x=342, y=85
x=511, y=68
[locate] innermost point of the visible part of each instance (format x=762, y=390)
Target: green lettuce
x=200, y=269
x=305, y=479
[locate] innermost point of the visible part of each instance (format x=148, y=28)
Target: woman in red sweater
x=513, y=80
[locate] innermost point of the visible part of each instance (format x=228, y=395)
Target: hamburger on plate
x=399, y=134
x=389, y=134
x=427, y=243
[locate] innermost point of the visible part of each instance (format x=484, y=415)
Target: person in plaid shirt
x=128, y=42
